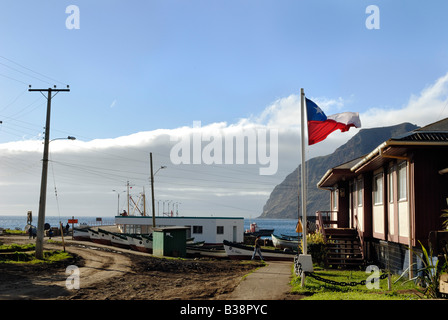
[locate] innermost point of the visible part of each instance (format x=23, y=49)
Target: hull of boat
x=206, y=252
x=100, y=237
x=81, y=234
x=120, y=241
x=241, y=252
x=283, y=243
x=142, y=244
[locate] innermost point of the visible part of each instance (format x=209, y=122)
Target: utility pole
x=152, y=192
x=43, y=186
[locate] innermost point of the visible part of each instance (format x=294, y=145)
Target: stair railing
x=326, y=222
x=361, y=238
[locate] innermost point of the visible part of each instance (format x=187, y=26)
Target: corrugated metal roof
x=424, y=136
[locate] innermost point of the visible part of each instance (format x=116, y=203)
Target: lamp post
x=118, y=205
x=152, y=190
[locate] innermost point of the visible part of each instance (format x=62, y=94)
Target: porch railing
x=360, y=236
x=323, y=220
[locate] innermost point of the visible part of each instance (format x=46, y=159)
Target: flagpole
x=303, y=181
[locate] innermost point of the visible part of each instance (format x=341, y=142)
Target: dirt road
x=112, y=273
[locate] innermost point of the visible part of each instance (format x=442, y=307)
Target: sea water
x=280, y=226
x=20, y=222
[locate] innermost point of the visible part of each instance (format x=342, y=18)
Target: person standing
x=257, y=248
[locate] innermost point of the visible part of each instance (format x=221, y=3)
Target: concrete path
x=270, y=282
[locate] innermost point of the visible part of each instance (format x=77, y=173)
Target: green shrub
x=316, y=247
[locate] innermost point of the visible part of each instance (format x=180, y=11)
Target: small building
x=394, y=196
x=212, y=230
x=170, y=241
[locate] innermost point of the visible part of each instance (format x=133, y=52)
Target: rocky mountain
x=283, y=203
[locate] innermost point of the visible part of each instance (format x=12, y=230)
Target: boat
x=119, y=240
x=100, y=236
x=238, y=251
x=140, y=242
x=133, y=240
x=206, y=251
x=256, y=231
x=289, y=237
x=81, y=234
x=283, y=242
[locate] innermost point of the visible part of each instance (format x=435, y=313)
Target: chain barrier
x=298, y=271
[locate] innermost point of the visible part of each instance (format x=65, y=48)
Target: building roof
x=432, y=135
x=341, y=172
x=434, y=132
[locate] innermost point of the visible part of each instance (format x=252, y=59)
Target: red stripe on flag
x=319, y=130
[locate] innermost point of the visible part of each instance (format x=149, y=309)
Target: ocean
x=280, y=226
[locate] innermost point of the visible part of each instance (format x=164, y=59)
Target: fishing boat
x=81, y=234
x=239, y=251
x=100, y=236
x=206, y=251
x=133, y=240
x=140, y=242
x=256, y=231
x=119, y=240
x=283, y=242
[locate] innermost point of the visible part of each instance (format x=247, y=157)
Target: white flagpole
x=303, y=180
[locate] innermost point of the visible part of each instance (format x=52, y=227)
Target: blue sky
x=143, y=65
x=142, y=70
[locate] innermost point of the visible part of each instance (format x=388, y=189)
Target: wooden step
x=343, y=247
x=340, y=232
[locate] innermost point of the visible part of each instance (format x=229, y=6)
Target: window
x=378, y=189
x=197, y=229
x=335, y=199
x=402, y=181
x=390, y=175
x=359, y=191
x=219, y=229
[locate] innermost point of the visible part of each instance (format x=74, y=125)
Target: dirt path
x=95, y=266
x=117, y=274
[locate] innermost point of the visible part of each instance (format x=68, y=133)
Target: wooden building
x=394, y=196
x=212, y=230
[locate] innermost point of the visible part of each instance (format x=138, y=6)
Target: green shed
x=170, y=241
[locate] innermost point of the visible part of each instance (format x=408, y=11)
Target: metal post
x=152, y=193
x=303, y=181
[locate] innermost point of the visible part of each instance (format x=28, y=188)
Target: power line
x=11, y=78
x=38, y=73
x=21, y=72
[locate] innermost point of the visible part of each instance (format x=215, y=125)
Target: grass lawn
x=15, y=253
x=318, y=290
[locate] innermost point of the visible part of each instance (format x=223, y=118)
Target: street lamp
x=67, y=138
x=118, y=205
x=162, y=167
x=43, y=198
x=152, y=190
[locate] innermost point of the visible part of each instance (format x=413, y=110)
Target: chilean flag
x=320, y=126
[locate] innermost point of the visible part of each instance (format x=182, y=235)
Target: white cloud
x=422, y=109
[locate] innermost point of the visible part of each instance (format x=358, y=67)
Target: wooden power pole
x=43, y=186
